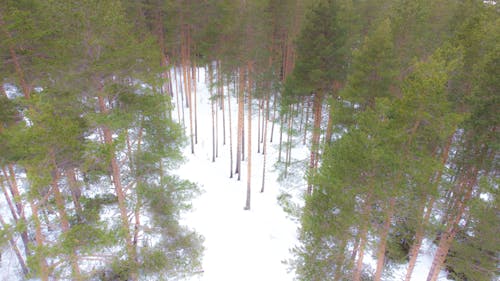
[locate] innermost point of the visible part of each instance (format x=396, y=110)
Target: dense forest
x=397, y=101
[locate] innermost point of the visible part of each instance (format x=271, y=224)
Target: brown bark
x=16, y=250
x=75, y=190
x=419, y=233
x=363, y=237
x=17, y=65
x=39, y=238
x=120, y=194
x=14, y=190
x=76, y=274
x=383, y=240
x=463, y=195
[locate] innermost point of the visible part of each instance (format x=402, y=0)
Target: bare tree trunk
x=241, y=90
x=16, y=195
x=17, y=252
x=264, y=145
x=363, y=237
x=306, y=125
x=463, y=195
x=281, y=137
x=120, y=194
x=383, y=240
x=230, y=132
x=75, y=190
x=223, y=107
x=419, y=233
x=17, y=65
x=76, y=275
x=317, y=104
x=195, y=107
x=39, y=238
x=249, y=120
x=274, y=117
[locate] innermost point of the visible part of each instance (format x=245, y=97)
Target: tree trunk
x=42, y=262
x=16, y=195
x=120, y=194
x=17, y=65
x=17, y=252
x=363, y=237
x=76, y=275
x=462, y=197
x=230, y=133
x=317, y=104
x=419, y=234
x=383, y=240
x=264, y=145
x=249, y=120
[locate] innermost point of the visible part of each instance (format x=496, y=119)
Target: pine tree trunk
x=120, y=194
x=258, y=125
x=240, y=122
x=17, y=65
x=76, y=275
x=306, y=125
x=419, y=233
x=223, y=107
x=463, y=195
x=264, y=145
x=249, y=120
x=274, y=117
x=195, y=106
x=17, y=252
x=383, y=240
x=317, y=104
x=363, y=236
x=16, y=195
x=213, y=130
x=42, y=262
x=230, y=133
x=75, y=191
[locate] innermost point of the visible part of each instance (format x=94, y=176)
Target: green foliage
x=321, y=50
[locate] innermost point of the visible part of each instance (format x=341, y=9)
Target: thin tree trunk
x=17, y=252
x=274, y=117
x=76, y=275
x=363, y=236
x=258, y=126
x=230, y=133
x=306, y=125
x=383, y=240
x=16, y=195
x=241, y=90
x=419, y=234
x=317, y=104
x=249, y=120
x=39, y=238
x=281, y=137
x=195, y=107
x=264, y=145
x=223, y=107
x=463, y=195
x=120, y=194
x=17, y=65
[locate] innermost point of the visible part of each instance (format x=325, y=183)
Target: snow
x=239, y=244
